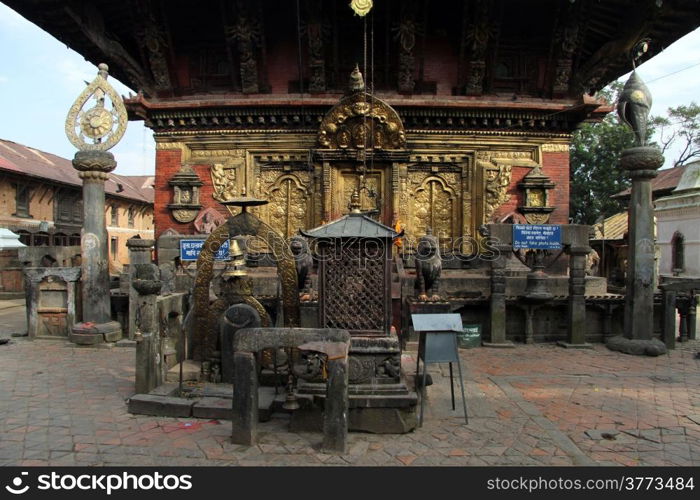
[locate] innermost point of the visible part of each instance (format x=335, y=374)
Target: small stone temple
x=336, y=168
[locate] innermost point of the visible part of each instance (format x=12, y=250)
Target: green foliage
x=595, y=171
x=680, y=132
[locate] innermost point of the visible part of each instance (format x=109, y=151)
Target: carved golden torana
x=361, y=121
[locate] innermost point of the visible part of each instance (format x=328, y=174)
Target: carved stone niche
x=535, y=187
x=186, y=184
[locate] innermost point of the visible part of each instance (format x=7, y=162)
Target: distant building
x=609, y=238
x=41, y=200
x=678, y=223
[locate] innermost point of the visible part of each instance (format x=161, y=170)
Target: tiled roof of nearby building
x=23, y=160
x=612, y=228
x=662, y=184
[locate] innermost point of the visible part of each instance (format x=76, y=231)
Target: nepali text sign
x=538, y=237
x=190, y=249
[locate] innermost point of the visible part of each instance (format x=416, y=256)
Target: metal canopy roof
x=437, y=322
x=353, y=225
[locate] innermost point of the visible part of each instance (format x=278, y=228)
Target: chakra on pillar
x=100, y=127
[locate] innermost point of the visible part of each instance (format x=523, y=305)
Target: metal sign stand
x=438, y=344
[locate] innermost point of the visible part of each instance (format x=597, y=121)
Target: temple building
x=457, y=113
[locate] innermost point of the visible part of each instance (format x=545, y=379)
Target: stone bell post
x=642, y=163
x=93, y=131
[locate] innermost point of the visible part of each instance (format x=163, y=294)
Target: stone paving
x=532, y=405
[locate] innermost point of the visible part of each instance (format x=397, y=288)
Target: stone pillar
x=146, y=282
x=642, y=164
x=97, y=325
x=139, y=253
x=335, y=412
x=497, y=316
x=244, y=422
x=576, y=334
x=668, y=324
x=692, y=317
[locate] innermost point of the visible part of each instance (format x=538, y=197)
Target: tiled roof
x=23, y=160
x=613, y=228
x=662, y=184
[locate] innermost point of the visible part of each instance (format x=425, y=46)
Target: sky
x=40, y=78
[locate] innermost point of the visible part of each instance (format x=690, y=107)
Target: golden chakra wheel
x=96, y=123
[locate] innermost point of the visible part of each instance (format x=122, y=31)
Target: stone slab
x=569, y=345
x=499, y=345
x=86, y=338
x=125, y=343
x=163, y=406
x=637, y=347
x=213, y=408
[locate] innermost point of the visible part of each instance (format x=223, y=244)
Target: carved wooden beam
x=92, y=26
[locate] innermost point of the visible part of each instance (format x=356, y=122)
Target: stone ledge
x=162, y=406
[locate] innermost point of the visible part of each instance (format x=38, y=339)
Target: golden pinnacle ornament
x=100, y=127
x=361, y=7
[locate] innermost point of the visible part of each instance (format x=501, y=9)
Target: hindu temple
x=337, y=166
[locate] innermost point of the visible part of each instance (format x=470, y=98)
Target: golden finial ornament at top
x=361, y=7
x=100, y=127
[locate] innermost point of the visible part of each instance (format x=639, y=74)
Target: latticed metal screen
x=354, y=289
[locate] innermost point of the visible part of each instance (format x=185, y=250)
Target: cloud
x=4, y=79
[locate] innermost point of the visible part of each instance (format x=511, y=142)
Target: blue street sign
x=537, y=237
x=190, y=249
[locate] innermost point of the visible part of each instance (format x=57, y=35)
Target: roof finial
x=357, y=83
x=355, y=202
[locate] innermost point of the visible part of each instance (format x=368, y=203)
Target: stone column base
x=95, y=333
x=639, y=347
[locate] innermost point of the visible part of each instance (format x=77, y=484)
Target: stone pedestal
x=576, y=332
x=642, y=164
x=97, y=325
x=139, y=253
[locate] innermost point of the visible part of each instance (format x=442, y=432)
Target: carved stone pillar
x=576, y=334
x=146, y=282
x=97, y=326
x=139, y=253
x=642, y=164
x=497, y=317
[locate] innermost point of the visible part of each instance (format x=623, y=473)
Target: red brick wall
x=556, y=167
x=168, y=162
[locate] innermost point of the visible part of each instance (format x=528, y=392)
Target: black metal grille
x=354, y=289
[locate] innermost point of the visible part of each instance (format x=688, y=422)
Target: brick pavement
x=532, y=405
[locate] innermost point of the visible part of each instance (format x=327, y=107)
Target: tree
x=595, y=164
x=679, y=132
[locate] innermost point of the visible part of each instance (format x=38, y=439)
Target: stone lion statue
x=304, y=262
x=428, y=268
